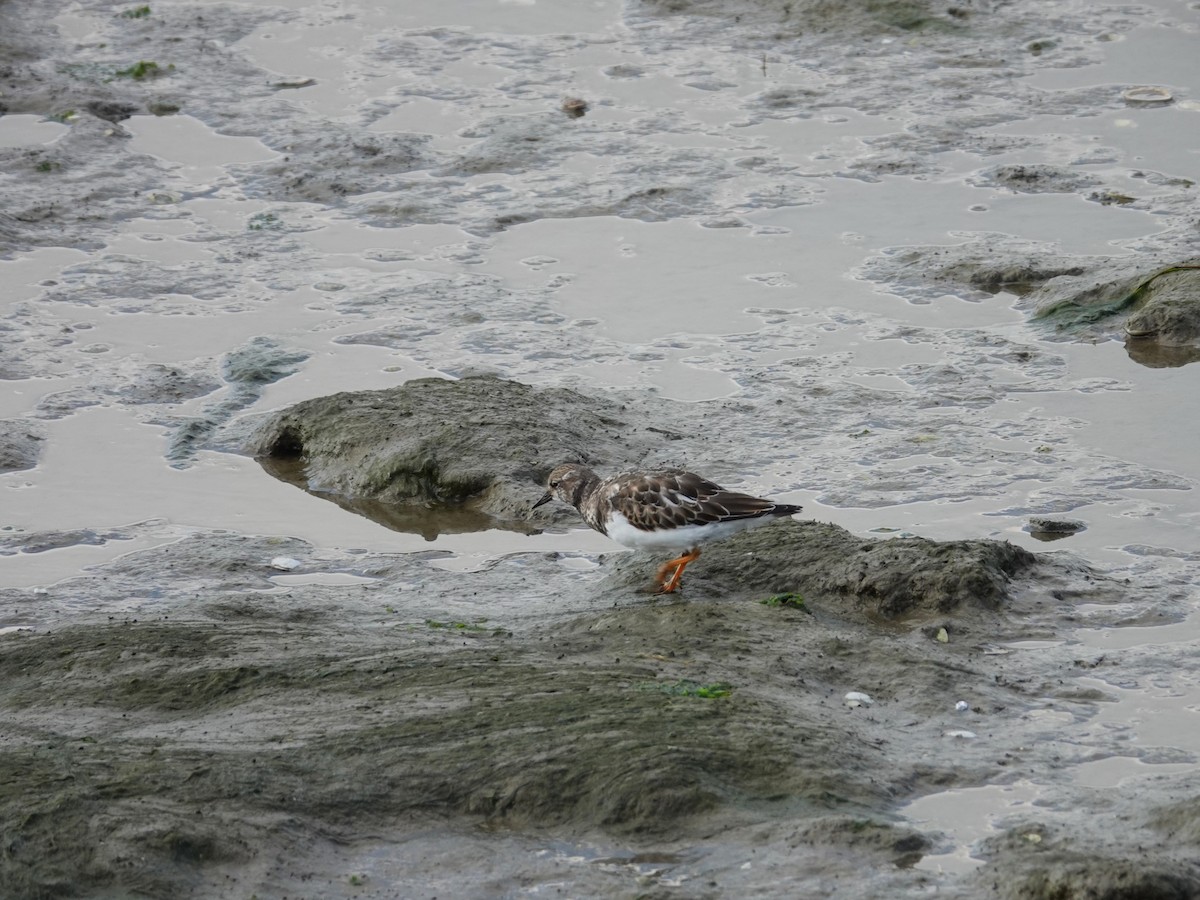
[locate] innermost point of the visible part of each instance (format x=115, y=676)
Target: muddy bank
x=216, y=722
x=1044, y=864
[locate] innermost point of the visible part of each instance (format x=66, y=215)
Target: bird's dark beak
x=546, y=498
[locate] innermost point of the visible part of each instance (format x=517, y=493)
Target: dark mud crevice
x=285, y=450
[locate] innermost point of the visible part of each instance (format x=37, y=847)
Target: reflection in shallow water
x=1046, y=529
x=1153, y=355
x=1048, y=536
x=429, y=521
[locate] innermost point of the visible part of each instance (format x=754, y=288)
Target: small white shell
x=960, y=733
x=962, y=706
x=858, y=698
x=285, y=563
x=1146, y=95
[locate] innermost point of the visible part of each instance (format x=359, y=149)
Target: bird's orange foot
x=667, y=584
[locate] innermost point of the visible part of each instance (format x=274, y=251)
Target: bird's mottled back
x=673, y=498
x=667, y=509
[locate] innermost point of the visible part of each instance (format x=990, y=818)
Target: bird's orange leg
x=667, y=585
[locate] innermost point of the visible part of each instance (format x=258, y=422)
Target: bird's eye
x=554, y=484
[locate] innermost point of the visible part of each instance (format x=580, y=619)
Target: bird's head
x=567, y=483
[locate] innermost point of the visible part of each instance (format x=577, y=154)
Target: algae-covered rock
x=1155, y=306
x=1169, y=314
x=482, y=442
x=828, y=564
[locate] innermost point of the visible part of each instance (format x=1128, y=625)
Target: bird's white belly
x=681, y=538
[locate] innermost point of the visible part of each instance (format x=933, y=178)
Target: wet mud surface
x=212, y=748
x=927, y=270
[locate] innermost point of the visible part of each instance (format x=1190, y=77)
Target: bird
x=667, y=509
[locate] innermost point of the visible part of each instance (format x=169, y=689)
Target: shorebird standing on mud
x=669, y=510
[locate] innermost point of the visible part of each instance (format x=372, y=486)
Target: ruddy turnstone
x=665, y=510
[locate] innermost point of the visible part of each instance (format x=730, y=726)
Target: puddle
x=341, y=367
x=190, y=331
x=160, y=246
x=23, y=276
x=578, y=563
x=1066, y=220
x=33, y=569
x=1159, y=719
x=969, y=815
x=670, y=378
x=329, y=48
x=1033, y=645
x=1120, y=420
x=422, y=115
x=324, y=579
x=1158, y=52
x=28, y=131
x=1143, y=138
x=198, y=152
x=92, y=452
x=644, y=281
x=433, y=248
x=1185, y=632
x=426, y=865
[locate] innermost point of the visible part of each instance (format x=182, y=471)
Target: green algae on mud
x=1160, y=303
x=508, y=738
x=601, y=714
x=789, y=600
x=885, y=579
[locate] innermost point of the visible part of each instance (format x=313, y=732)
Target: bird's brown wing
x=664, y=500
